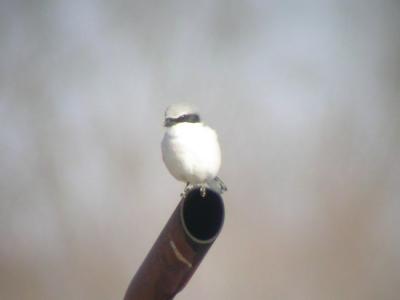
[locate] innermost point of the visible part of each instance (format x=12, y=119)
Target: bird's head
x=179, y=113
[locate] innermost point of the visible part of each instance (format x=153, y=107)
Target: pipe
x=180, y=247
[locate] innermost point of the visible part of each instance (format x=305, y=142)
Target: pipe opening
x=202, y=218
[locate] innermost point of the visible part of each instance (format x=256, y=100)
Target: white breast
x=191, y=152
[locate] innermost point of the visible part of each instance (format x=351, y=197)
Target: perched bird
x=190, y=149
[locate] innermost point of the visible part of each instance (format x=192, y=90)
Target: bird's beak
x=168, y=122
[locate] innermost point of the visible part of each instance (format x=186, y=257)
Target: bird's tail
x=217, y=185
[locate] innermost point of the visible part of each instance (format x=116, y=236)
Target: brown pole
x=180, y=247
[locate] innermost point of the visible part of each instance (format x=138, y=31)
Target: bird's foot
x=217, y=185
x=203, y=189
x=189, y=187
x=186, y=190
x=222, y=185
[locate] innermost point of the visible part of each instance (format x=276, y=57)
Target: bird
x=190, y=150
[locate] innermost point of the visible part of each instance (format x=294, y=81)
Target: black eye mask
x=189, y=118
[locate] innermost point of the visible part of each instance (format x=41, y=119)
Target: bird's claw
x=189, y=187
x=186, y=190
x=203, y=191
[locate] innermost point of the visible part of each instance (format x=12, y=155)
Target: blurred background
x=304, y=96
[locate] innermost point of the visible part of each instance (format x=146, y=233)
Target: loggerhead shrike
x=190, y=149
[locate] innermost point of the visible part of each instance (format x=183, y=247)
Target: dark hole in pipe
x=203, y=217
